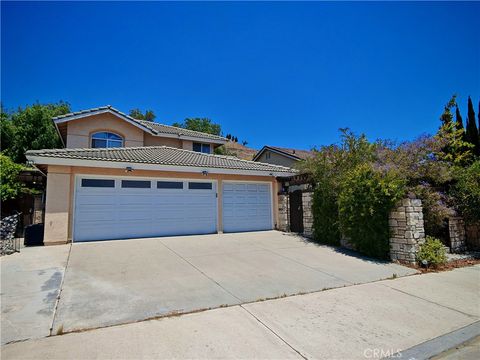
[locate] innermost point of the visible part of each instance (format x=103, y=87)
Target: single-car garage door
x=247, y=206
x=120, y=208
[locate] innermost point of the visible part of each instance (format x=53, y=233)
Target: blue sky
x=285, y=74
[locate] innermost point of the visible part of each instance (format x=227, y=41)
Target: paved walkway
x=355, y=322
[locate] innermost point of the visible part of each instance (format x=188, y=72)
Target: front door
x=296, y=212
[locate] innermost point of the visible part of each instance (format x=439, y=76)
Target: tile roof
x=168, y=129
x=302, y=154
x=161, y=155
x=295, y=153
x=154, y=127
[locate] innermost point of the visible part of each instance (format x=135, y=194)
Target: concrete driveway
x=116, y=282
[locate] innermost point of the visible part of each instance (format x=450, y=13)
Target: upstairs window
x=106, y=140
x=203, y=148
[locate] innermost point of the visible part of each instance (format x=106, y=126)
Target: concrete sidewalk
x=354, y=322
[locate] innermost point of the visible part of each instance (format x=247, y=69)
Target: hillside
x=240, y=151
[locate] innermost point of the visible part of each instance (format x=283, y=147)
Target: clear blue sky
x=286, y=74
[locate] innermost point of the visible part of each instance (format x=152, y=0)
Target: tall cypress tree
x=471, y=134
x=459, y=120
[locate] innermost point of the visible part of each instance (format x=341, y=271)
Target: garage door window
x=199, y=186
x=101, y=183
x=136, y=184
x=169, y=185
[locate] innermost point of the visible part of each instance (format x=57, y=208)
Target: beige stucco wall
x=60, y=195
x=187, y=145
x=57, y=207
x=80, y=130
x=150, y=140
x=276, y=159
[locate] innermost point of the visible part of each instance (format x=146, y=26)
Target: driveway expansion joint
x=57, y=301
x=274, y=333
x=432, y=302
x=201, y=272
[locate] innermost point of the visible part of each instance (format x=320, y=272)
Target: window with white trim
x=105, y=139
x=203, y=148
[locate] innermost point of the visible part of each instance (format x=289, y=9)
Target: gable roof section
x=151, y=127
x=154, y=158
x=290, y=153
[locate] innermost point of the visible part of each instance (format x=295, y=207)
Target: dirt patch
x=447, y=267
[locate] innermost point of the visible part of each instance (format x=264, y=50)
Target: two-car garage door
x=119, y=208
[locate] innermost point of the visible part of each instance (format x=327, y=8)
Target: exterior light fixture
x=128, y=169
x=204, y=172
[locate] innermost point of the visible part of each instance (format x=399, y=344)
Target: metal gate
x=296, y=212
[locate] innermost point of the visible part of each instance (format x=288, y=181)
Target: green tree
x=136, y=113
x=10, y=186
x=31, y=128
x=455, y=150
x=466, y=192
x=472, y=135
x=204, y=125
x=458, y=119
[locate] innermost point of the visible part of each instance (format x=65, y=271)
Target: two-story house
x=119, y=177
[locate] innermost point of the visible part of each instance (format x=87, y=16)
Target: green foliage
x=136, y=113
x=365, y=201
x=10, y=187
x=432, y=252
x=466, y=192
x=328, y=167
x=204, y=125
x=30, y=128
x=325, y=211
x=457, y=148
x=472, y=135
x=222, y=150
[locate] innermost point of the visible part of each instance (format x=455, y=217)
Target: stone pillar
x=283, y=213
x=456, y=231
x=307, y=214
x=37, y=209
x=406, y=230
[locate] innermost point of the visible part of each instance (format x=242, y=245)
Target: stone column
x=283, y=213
x=307, y=214
x=456, y=231
x=406, y=230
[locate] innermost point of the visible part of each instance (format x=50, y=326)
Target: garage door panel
x=122, y=212
x=247, y=207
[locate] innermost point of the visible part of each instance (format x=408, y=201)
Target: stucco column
x=57, y=206
x=220, y=206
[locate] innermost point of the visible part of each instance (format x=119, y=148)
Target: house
x=119, y=177
x=281, y=156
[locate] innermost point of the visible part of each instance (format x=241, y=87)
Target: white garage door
x=247, y=207
x=121, y=208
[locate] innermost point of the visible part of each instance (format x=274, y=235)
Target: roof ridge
x=176, y=127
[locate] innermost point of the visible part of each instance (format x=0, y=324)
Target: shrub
x=466, y=192
x=10, y=187
x=367, y=197
x=325, y=216
x=432, y=252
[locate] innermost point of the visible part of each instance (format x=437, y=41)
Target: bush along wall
x=365, y=201
x=325, y=216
